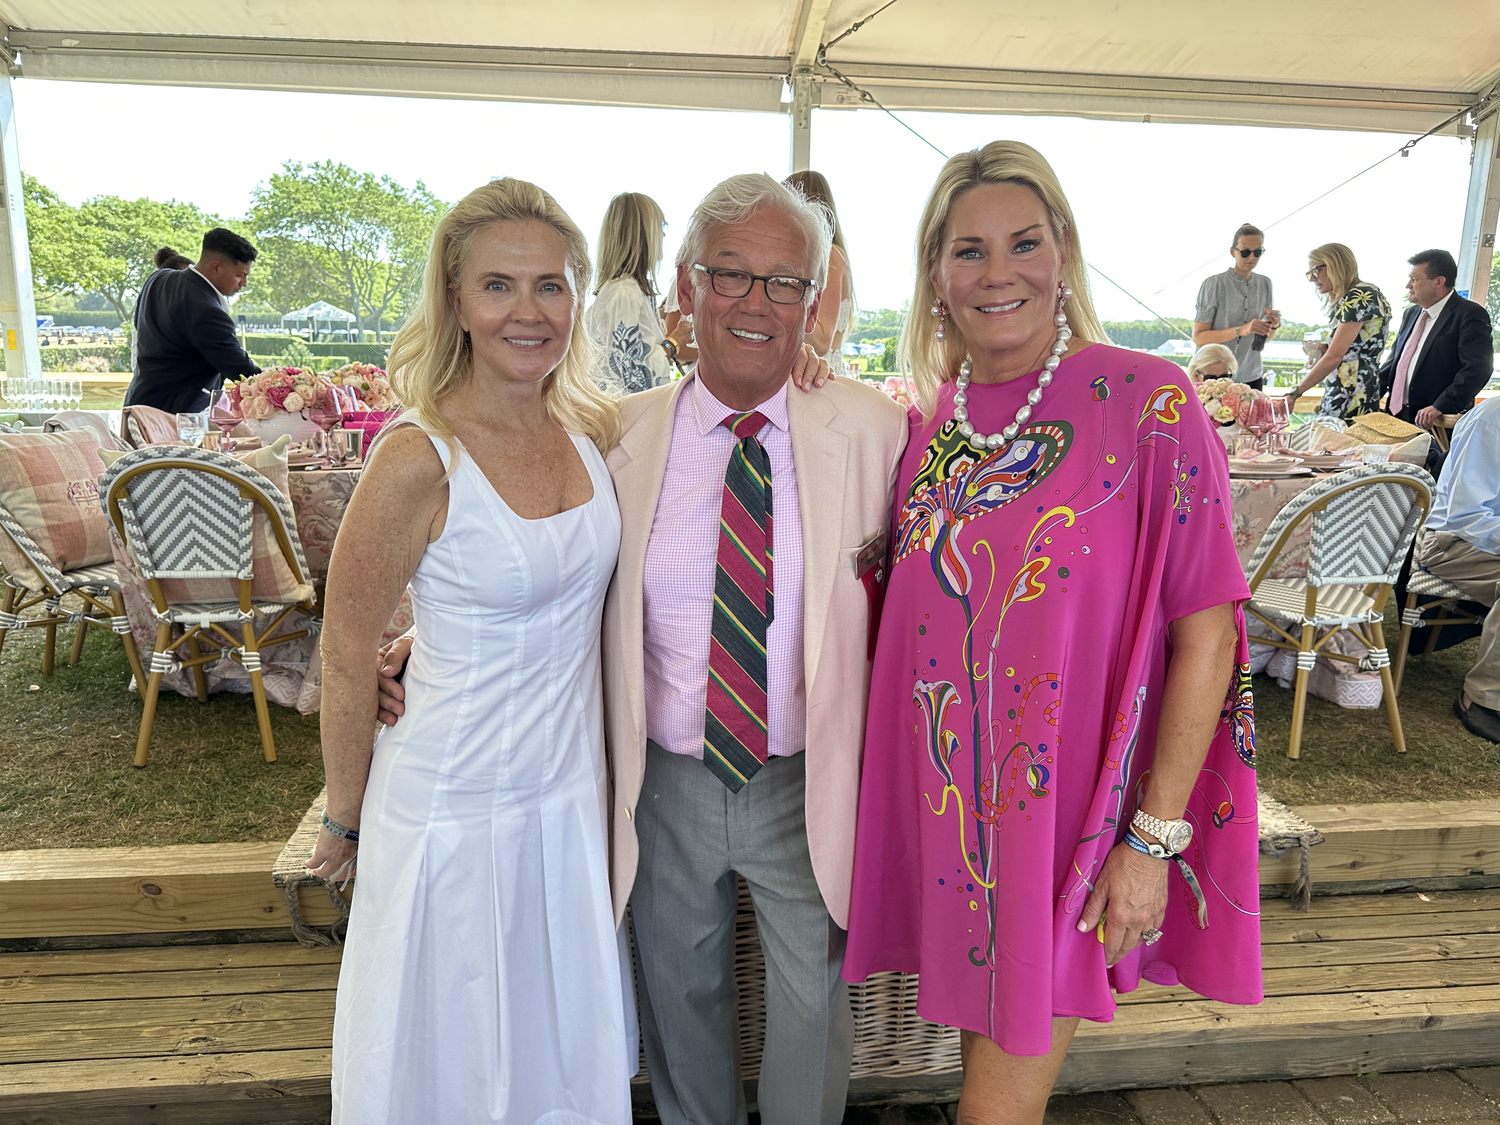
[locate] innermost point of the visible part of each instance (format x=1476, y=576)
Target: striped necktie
x=735, y=742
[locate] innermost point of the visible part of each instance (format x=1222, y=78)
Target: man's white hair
x=733, y=201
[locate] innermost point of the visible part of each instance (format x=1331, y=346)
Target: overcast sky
x=1153, y=201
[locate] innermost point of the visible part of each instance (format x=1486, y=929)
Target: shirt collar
x=1436, y=310
x=709, y=412
x=223, y=300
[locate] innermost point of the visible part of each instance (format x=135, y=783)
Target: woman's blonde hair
x=930, y=362
x=630, y=241
x=1343, y=270
x=432, y=356
x=1211, y=353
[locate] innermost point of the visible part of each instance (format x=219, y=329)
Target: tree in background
x=288, y=276
x=360, y=235
x=59, y=243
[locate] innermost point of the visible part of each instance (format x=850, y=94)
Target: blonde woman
x=837, y=307
x=482, y=980
x=1212, y=361
x=1059, y=659
x=632, y=351
x=1360, y=318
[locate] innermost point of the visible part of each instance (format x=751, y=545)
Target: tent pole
x=17, y=298
x=1477, y=247
x=801, y=121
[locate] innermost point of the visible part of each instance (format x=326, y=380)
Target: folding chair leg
x=1299, y=705
x=1391, y=712
x=1403, y=642
x=200, y=681
x=132, y=654
x=152, y=692
x=7, y=606
x=78, y=637
x=49, y=651
x=258, y=689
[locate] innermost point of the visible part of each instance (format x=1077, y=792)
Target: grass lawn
x=66, y=778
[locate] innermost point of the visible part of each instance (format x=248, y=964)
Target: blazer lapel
x=638, y=465
x=1450, y=310
x=821, y=455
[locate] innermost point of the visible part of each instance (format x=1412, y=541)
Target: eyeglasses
x=1312, y=274
x=737, y=283
x=1258, y=251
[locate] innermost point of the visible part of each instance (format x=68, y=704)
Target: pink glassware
x=1281, y=418
x=1256, y=416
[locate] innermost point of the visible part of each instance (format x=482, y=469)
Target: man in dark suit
x=1443, y=354
x=184, y=338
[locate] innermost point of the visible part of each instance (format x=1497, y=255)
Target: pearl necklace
x=992, y=442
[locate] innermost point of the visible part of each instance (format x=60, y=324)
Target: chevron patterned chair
x=1363, y=523
x=1449, y=606
x=217, y=544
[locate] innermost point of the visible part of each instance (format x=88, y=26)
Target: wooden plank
x=191, y=982
x=1382, y=951
x=1309, y=929
x=144, y=1042
x=1398, y=840
x=165, y=958
x=126, y=863
x=1329, y=980
x=231, y=1078
x=1377, y=905
x=275, y=1111
x=182, y=1012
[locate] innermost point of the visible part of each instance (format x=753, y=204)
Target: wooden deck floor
x=240, y=1033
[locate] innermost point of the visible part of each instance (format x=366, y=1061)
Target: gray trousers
x=1477, y=574
x=695, y=835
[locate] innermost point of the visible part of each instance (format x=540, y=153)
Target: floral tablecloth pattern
x=293, y=672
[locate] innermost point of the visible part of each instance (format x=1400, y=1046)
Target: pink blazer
x=847, y=440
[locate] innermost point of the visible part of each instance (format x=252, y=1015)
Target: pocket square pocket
x=871, y=557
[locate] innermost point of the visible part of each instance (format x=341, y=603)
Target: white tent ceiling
x=1380, y=64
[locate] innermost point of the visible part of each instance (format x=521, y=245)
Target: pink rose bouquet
x=281, y=390
x=1225, y=400
x=369, y=383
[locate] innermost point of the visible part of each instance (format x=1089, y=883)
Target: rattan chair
x=1300, y=440
x=1363, y=524
x=87, y=596
x=1448, y=605
x=190, y=514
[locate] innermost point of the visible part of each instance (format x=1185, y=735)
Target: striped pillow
x=49, y=483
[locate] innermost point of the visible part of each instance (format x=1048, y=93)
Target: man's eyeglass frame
x=803, y=283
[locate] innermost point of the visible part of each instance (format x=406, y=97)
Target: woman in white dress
x=632, y=350
x=483, y=979
x=837, y=308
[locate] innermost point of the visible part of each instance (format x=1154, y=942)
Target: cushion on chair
x=65, y=420
x=274, y=581
x=50, y=485
x=146, y=425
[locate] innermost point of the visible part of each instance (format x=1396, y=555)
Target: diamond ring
x=1150, y=937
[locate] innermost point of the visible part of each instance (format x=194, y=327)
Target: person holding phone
x=1234, y=307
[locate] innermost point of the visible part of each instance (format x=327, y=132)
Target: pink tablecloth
x=293, y=671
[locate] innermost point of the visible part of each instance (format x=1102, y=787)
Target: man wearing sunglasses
x=1234, y=307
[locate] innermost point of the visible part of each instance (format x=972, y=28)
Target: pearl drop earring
x=940, y=312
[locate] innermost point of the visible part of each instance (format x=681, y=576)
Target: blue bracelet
x=350, y=834
x=1139, y=845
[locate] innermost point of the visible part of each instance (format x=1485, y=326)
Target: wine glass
x=1281, y=418
x=191, y=427
x=75, y=393
x=1257, y=419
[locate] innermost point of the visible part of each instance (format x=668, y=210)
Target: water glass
x=192, y=427
x=1375, y=454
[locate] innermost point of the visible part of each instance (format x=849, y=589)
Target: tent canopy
x=319, y=312
x=1279, y=62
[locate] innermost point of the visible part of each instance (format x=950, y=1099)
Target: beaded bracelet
x=350, y=834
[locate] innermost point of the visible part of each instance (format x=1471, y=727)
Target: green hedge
x=62, y=357
x=351, y=353
x=262, y=344
x=320, y=362
x=78, y=318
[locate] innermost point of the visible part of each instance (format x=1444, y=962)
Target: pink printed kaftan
x=1015, y=696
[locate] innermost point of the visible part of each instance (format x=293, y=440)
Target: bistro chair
x=1363, y=523
x=141, y=426
x=217, y=544
x=1302, y=439
x=1442, y=430
x=1449, y=605
x=54, y=545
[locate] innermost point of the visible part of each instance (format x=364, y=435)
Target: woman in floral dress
x=1359, y=316
x=1061, y=651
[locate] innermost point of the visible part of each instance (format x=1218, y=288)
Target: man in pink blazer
x=737, y=643
x=686, y=821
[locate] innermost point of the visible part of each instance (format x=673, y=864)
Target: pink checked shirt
x=681, y=559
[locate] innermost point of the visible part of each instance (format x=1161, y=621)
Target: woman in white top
x=483, y=982
x=837, y=309
x=632, y=349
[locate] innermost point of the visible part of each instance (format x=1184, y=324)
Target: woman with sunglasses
x=1234, y=307
x=1359, y=316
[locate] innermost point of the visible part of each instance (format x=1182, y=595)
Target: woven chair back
x=1363, y=523
x=190, y=513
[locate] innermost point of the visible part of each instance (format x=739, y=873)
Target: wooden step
x=98, y=891
x=217, y=1033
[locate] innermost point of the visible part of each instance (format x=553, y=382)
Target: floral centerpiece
x=1226, y=401
x=369, y=383
x=283, y=400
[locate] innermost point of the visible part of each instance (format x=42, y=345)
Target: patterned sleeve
x=627, y=335
x=1202, y=569
x=1358, y=305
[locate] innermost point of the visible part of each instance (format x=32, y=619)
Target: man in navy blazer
x=184, y=338
x=1443, y=353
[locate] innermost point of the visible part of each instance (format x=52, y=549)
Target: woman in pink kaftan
x=1022, y=669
